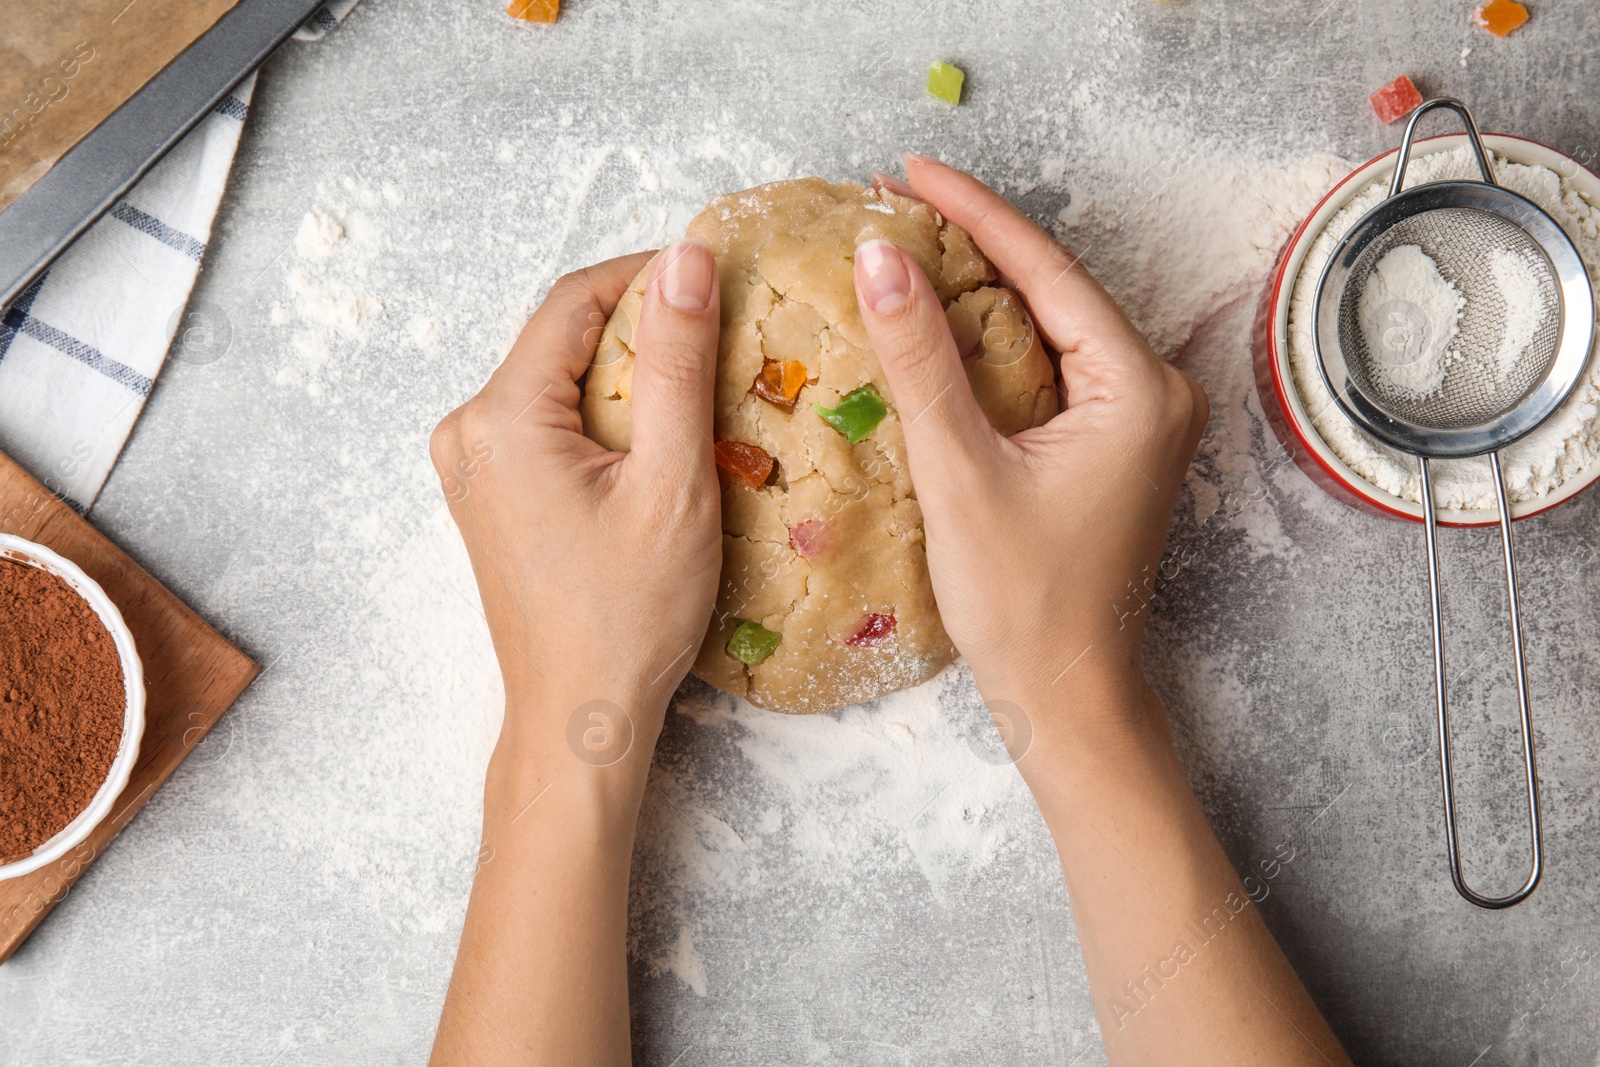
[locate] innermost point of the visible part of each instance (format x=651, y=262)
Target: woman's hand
x=597, y=569
x=1041, y=544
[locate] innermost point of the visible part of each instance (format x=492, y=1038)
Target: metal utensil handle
x=1522, y=698
x=1473, y=139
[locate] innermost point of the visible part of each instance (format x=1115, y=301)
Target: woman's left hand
x=597, y=569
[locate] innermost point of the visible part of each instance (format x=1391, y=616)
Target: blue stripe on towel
x=17, y=314
x=19, y=320
x=154, y=227
x=232, y=107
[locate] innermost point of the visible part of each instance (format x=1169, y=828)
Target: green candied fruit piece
x=944, y=83
x=752, y=642
x=858, y=412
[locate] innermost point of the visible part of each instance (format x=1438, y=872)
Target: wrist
x=1096, y=709
x=589, y=752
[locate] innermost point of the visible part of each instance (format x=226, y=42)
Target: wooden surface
x=191, y=675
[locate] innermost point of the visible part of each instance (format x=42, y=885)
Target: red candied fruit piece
x=874, y=628
x=1396, y=100
x=749, y=464
x=808, y=538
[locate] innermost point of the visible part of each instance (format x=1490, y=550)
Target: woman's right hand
x=1039, y=546
x=1042, y=545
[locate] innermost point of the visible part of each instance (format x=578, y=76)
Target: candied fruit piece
x=873, y=628
x=534, y=10
x=944, y=82
x=779, y=381
x=809, y=538
x=856, y=414
x=751, y=643
x=1500, y=17
x=748, y=463
x=1396, y=100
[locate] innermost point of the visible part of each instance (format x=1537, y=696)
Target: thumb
x=911, y=336
x=675, y=359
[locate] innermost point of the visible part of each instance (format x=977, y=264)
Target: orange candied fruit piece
x=779, y=381
x=534, y=10
x=1396, y=100
x=750, y=464
x=1500, y=17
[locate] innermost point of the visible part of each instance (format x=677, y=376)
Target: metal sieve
x=1399, y=372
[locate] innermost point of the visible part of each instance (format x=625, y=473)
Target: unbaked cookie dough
x=825, y=599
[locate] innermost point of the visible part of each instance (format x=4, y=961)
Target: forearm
x=1181, y=966
x=541, y=974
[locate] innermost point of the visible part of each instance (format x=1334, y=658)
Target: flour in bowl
x=1561, y=449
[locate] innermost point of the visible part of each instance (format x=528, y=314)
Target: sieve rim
x=1575, y=324
x=1293, y=405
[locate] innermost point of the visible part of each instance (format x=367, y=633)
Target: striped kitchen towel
x=81, y=347
x=323, y=19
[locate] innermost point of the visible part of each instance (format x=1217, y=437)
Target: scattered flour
x=1409, y=314
x=1519, y=287
x=331, y=301
x=910, y=781
x=319, y=235
x=1562, y=448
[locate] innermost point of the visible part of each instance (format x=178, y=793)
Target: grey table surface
x=294, y=894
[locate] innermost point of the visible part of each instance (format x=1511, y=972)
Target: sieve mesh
x=1475, y=390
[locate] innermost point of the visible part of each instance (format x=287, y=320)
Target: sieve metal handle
x=1522, y=698
x=1473, y=139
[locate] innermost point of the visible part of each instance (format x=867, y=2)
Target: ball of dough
x=825, y=556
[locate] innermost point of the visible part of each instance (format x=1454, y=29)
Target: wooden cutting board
x=191, y=676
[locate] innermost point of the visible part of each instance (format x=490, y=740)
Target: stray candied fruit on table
x=1396, y=100
x=751, y=643
x=750, y=464
x=873, y=628
x=856, y=414
x=534, y=10
x=944, y=82
x=1500, y=17
x=809, y=537
x=779, y=381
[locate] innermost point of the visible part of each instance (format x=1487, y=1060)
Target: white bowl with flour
x=1550, y=465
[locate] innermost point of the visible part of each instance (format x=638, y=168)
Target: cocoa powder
x=62, y=700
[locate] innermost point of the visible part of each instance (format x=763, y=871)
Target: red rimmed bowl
x=1281, y=399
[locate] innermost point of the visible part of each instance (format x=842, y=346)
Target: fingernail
x=687, y=271
x=912, y=159
x=881, y=274
x=892, y=184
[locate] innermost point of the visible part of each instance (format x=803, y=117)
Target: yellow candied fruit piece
x=944, y=82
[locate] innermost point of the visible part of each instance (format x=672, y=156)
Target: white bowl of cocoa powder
x=71, y=706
